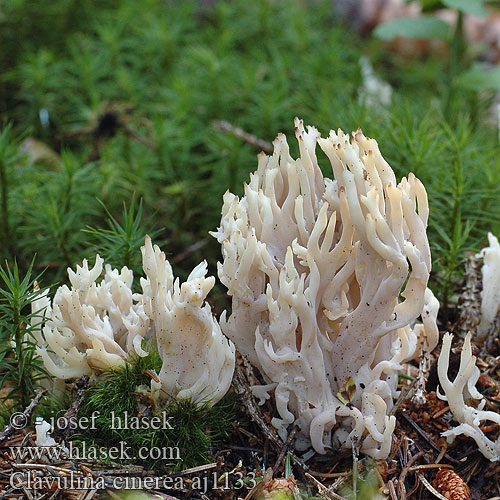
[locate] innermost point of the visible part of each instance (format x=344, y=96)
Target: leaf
x=347, y=393
x=430, y=5
x=473, y=7
x=410, y=27
x=479, y=78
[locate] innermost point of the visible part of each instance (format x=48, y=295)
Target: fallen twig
x=253, y=409
x=440, y=413
x=160, y=494
x=259, y=487
x=469, y=302
x=392, y=490
x=329, y=475
x=284, y=449
x=405, y=470
x=429, y=487
x=113, y=472
x=20, y=420
x=442, y=453
x=419, y=398
x=426, y=437
x=112, y=495
x=403, y=396
x=324, y=490
x=134, y=135
x=430, y=466
x=355, y=453
x=81, y=386
x=192, y=470
x=190, y=250
x=228, y=128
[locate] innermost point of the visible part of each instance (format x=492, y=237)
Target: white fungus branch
x=90, y=326
x=327, y=278
x=198, y=361
x=460, y=392
x=490, y=295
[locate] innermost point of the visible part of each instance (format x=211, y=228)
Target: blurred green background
x=110, y=103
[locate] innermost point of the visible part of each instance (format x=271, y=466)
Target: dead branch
x=228, y=128
x=287, y=444
x=20, y=420
x=81, y=386
x=429, y=487
x=323, y=490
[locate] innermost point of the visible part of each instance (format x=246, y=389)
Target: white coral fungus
x=490, y=294
x=90, y=326
x=327, y=278
x=198, y=361
x=43, y=430
x=461, y=391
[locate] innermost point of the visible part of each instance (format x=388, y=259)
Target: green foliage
x=168, y=69
x=120, y=244
x=5, y=414
x=20, y=369
x=9, y=155
x=473, y=7
x=367, y=485
x=196, y=429
x=410, y=27
x=460, y=168
x=459, y=74
x=52, y=225
x=480, y=78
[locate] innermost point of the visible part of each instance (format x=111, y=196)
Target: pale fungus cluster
x=465, y=401
x=327, y=279
x=96, y=326
x=329, y=299
x=460, y=394
x=90, y=325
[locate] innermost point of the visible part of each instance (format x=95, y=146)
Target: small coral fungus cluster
x=101, y=325
x=328, y=282
x=462, y=391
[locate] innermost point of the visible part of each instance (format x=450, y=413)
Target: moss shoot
x=124, y=427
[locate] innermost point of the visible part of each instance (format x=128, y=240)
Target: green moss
x=367, y=484
x=177, y=436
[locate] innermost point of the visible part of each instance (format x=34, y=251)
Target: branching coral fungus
x=198, y=361
x=461, y=391
x=90, y=326
x=327, y=278
x=97, y=326
x=490, y=295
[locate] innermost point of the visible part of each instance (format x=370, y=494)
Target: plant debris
x=422, y=465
